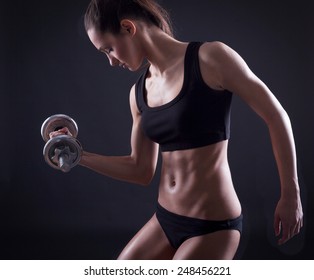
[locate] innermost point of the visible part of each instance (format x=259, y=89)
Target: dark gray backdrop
x=48, y=66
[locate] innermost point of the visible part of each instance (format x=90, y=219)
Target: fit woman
x=182, y=104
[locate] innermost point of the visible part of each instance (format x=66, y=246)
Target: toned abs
x=197, y=183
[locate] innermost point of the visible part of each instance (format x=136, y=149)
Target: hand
x=288, y=218
x=62, y=131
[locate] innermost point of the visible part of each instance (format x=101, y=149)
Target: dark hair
x=106, y=15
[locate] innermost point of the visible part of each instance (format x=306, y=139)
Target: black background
x=49, y=66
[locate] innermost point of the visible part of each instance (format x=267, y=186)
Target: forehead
x=100, y=40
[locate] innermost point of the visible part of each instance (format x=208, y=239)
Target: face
x=121, y=50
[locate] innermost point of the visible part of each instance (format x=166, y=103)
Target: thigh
x=148, y=244
x=220, y=245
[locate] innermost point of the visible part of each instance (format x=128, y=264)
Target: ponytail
x=106, y=15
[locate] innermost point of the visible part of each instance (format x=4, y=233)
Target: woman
x=182, y=105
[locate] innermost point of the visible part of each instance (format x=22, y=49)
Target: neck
x=161, y=50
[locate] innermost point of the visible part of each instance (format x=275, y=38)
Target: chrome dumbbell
x=62, y=152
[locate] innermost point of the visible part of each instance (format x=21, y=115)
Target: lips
x=123, y=65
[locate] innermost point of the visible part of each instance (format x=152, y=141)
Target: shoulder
x=226, y=64
x=213, y=58
x=216, y=52
x=213, y=46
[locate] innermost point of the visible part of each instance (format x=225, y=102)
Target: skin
x=196, y=182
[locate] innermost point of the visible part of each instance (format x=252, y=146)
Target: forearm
x=284, y=151
x=124, y=168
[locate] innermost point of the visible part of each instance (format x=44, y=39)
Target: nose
x=113, y=61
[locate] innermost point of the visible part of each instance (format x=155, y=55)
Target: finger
x=298, y=227
x=295, y=230
x=52, y=134
x=66, y=131
x=62, y=131
x=55, y=134
x=286, y=235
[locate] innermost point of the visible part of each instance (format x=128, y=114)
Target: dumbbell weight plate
x=67, y=143
x=56, y=122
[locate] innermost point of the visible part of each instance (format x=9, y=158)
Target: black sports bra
x=198, y=116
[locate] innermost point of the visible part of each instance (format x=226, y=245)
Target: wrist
x=290, y=189
x=84, y=158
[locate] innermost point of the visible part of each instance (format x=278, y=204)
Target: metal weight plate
x=57, y=122
x=62, y=142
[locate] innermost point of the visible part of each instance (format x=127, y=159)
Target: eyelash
x=107, y=52
x=110, y=50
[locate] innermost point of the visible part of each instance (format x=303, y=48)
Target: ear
x=128, y=26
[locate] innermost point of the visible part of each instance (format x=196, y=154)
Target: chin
x=134, y=68
x=137, y=65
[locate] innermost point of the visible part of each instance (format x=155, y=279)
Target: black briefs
x=180, y=228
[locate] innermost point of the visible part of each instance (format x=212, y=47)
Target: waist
x=198, y=183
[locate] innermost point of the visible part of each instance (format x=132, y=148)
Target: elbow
x=145, y=177
x=145, y=173
x=278, y=117
x=144, y=170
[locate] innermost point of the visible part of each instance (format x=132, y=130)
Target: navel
x=173, y=183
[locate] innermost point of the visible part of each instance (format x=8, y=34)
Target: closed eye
x=109, y=50
x=106, y=50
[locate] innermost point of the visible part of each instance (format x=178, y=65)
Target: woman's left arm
x=233, y=74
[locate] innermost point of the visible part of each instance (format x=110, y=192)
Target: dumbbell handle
x=64, y=163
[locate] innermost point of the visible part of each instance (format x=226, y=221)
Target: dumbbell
x=62, y=152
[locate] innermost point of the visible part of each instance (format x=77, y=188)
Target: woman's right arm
x=138, y=167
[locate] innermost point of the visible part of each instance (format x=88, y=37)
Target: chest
x=162, y=90
x=197, y=116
